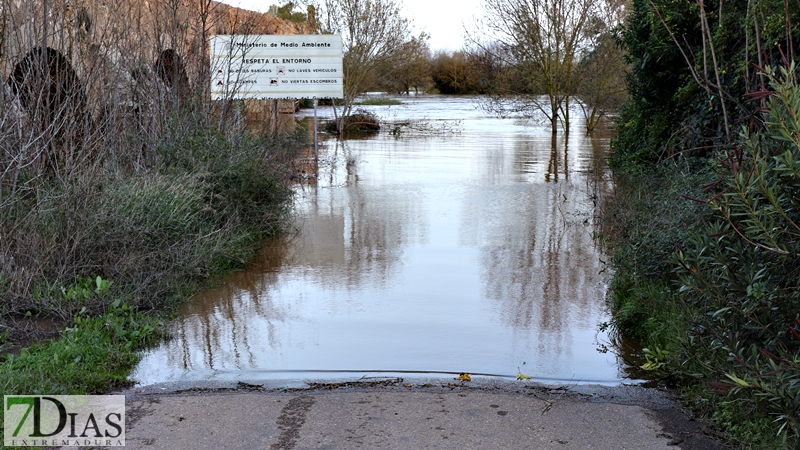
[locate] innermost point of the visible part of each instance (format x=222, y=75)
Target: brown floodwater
x=463, y=243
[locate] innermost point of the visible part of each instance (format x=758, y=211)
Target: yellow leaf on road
x=464, y=377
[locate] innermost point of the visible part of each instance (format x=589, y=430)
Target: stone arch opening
x=49, y=91
x=172, y=72
x=45, y=80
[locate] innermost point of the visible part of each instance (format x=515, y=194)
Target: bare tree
x=600, y=74
x=371, y=30
x=601, y=82
x=541, y=39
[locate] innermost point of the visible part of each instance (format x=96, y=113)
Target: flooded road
x=460, y=244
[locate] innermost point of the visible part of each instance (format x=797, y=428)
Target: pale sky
x=440, y=18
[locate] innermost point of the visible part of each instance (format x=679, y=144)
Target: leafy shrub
x=744, y=272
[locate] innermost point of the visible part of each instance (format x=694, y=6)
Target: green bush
x=727, y=314
x=674, y=112
x=743, y=273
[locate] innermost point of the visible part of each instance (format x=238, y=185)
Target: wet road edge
x=683, y=431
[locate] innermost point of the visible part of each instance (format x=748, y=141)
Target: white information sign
x=276, y=66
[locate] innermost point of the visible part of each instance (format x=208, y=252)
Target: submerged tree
x=371, y=30
x=541, y=40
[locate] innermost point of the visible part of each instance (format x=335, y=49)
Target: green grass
x=378, y=101
x=93, y=355
x=650, y=312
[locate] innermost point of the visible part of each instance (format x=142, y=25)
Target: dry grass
x=114, y=162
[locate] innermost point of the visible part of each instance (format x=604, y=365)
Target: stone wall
x=130, y=55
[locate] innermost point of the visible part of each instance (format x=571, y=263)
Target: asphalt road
x=404, y=414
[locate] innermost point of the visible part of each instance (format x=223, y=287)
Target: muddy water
x=462, y=245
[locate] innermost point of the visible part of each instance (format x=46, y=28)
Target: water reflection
x=541, y=267
x=214, y=320
x=460, y=252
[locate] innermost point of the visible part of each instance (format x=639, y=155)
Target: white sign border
x=266, y=56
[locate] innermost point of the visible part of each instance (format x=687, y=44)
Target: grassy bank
x=644, y=222
x=108, y=249
x=92, y=355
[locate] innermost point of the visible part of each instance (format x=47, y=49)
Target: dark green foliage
x=657, y=72
x=286, y=12
x=726, y=304
x=743, y=273
x=669, y=112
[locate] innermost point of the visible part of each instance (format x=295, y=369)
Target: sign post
x=316, y=151
x=277, y=67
